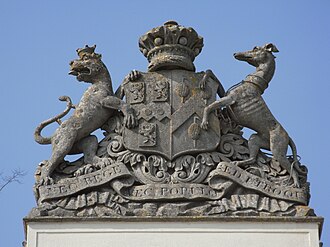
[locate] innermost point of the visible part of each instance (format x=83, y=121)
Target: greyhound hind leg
x=256, y=141
x=279, y=142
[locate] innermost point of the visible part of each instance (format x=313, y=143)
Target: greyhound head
x=258, y=55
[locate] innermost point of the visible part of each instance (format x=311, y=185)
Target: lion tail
x=37, y=133
x=296, y=164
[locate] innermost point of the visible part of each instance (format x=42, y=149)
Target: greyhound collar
x=260, y=82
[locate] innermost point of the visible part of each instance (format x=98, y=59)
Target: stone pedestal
x=170, y=232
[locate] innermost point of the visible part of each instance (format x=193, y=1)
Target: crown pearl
x=145, y=52
x=183, y=41
x=158, y=41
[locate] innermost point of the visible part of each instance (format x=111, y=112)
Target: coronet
x=88, y=50
x=171, y=46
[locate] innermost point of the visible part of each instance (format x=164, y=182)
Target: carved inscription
x=250, y=181
x=70, y=186
x=172, y=191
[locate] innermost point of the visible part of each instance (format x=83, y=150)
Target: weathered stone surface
x=174, y=231
x=171, y=148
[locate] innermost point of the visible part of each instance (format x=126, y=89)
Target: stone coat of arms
x=173, y=142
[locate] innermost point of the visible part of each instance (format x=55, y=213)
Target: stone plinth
x=169, y=232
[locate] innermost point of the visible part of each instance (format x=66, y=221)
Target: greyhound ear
x=271, y=47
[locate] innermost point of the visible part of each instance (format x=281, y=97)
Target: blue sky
x=39, y=38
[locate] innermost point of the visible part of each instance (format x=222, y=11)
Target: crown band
x=171, y=48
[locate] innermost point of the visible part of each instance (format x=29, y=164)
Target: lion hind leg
x=88, y=146
x=60, y=149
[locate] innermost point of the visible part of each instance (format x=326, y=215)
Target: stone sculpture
x=172, y=148
x=248, y=109
x=73, y=136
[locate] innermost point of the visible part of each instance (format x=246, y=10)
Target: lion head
x=88, y=67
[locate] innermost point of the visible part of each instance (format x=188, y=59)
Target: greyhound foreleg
x=225, y=101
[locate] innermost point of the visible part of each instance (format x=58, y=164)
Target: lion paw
x=130, y=120
x=84, y=170
x=134, y=75
x=98, y=163
x=102, y=162
x=46, y=181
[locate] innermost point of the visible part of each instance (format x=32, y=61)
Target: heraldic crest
x=173, y=143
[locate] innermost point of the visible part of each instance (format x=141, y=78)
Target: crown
x=171, y=46
x=89, y=51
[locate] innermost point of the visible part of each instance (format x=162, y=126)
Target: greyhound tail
x=37, y=133
x=296, y=163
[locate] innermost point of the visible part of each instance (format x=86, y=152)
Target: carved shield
x=169, y=106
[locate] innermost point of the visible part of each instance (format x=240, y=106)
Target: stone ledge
x=173, y=231
x=308, y=219
x=314, y=219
